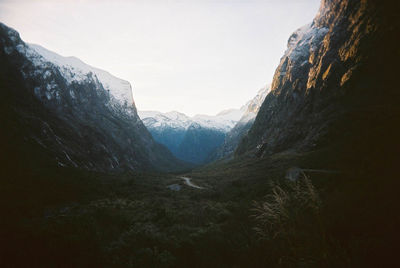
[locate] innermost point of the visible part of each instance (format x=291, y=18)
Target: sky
x=193, y=56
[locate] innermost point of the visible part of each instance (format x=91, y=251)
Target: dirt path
x=191, y=184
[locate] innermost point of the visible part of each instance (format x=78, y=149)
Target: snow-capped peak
x=222, y=121
x=254, y=105
x=75, y=70
x=154, y=119
x=251, y=108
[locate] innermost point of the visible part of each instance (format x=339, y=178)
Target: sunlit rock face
x=80, y=116
x=335, y=82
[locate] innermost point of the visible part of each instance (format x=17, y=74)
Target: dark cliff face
x=68, y=124
x=336, y=84
x=232, y=138
x=169, y=137
x=226, y=150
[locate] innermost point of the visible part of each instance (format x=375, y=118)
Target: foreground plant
x=289, y=218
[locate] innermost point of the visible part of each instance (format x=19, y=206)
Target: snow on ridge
x=253, y=105
x=303, y=39
x=224, y=123
x=155, y=119
x=75, y=70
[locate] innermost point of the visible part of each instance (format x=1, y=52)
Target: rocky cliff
x=335, y=85
x=234, y=136
x=63, y=112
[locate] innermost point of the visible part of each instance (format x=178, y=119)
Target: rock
x=174, y=187
x=335, y=84
x=70, y=117
x=293, y=173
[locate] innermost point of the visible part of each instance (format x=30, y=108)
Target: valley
x=203, y=138
x=302, y=175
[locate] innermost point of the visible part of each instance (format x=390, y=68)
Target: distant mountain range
x=198, y=139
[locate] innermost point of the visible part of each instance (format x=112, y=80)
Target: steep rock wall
x=335, y=84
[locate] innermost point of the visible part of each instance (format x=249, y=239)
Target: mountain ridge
x=232, y=138
x=75, y=70
x=76, y=120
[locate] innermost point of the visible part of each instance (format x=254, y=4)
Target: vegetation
x=248, y=215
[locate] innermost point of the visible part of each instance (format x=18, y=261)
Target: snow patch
x=304, y=40
x=75, y=70
x=253, y=106
x=224, y=121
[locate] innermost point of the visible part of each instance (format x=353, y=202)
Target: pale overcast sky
x=194, y=56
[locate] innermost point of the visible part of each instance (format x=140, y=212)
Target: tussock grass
x=284, y=206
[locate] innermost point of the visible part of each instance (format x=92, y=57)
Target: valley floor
x=71, y=218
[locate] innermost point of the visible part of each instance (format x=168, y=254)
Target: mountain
x=75, y=70
x=168, y=129
x=61, y=111
x=314, y=182
x=335, y=87
x=190, y=138
x=232, y=138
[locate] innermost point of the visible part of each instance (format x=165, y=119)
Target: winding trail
x=190, y=184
